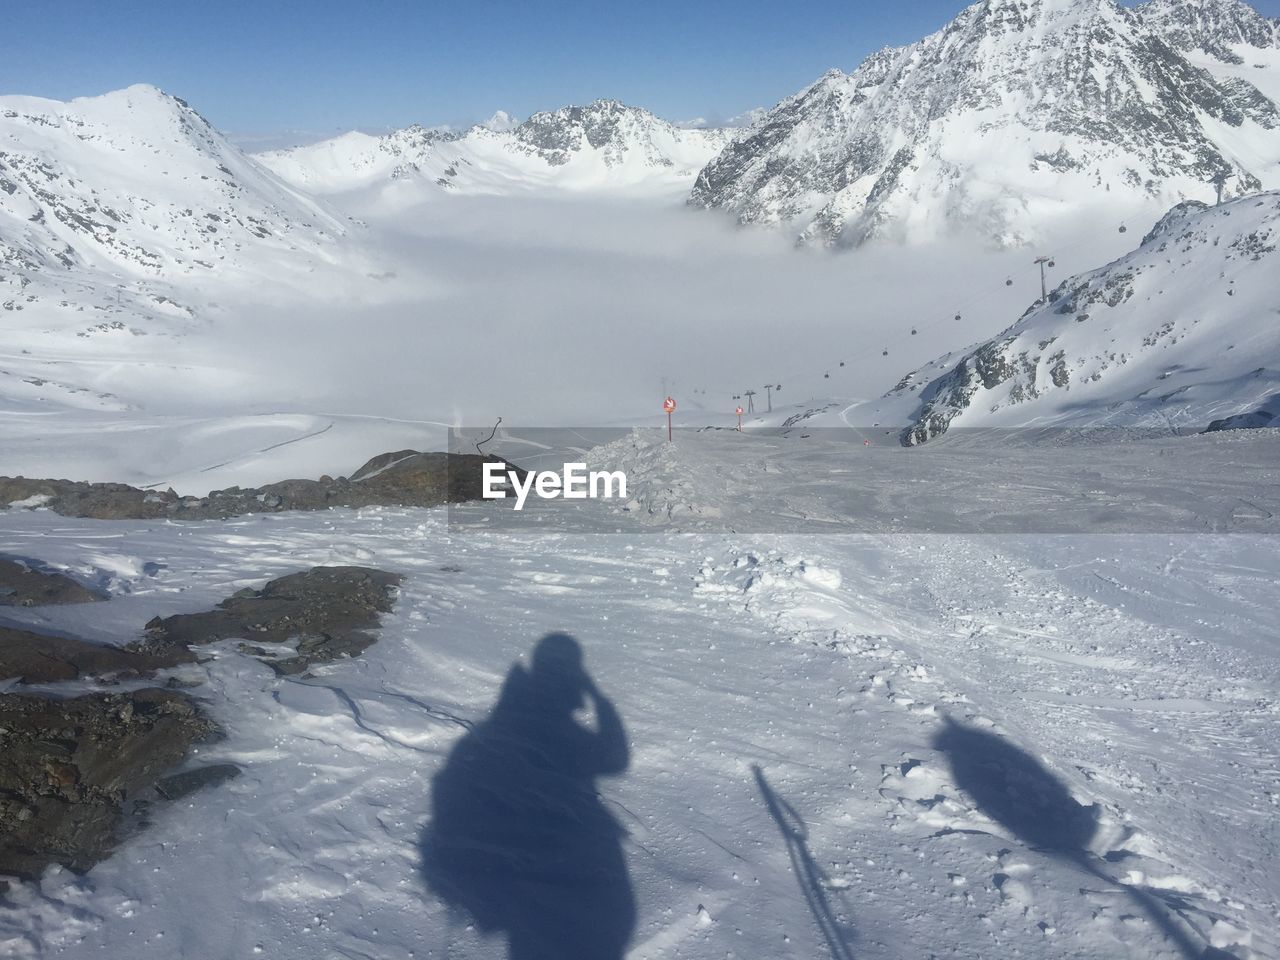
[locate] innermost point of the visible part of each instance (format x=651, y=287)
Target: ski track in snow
x=832, y=663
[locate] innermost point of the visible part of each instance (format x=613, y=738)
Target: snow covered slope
x=1227, y=38
x=1016, y=113
x=1183, y=330
x=136, y=180
x=1216, y=27
x=603, y=145
x=127, y=215
x=1042, y=747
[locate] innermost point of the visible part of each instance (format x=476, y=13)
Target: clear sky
x=263, y=66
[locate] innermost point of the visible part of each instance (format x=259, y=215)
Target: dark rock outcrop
x=32, y=657
x=404, y=479
x=1254, y=420
x=75, y=773
x=328, y=612
x=25, y=586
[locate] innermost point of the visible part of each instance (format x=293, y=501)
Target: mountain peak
x=1014, y=105
x=602, y=144
x=500, y=122
x=1211, y=26
x=137, y=179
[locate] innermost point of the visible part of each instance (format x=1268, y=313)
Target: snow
x=1135, y=675
x=604, y=147
x=1008, y=120
x=1125, y=344
x=1011, y=693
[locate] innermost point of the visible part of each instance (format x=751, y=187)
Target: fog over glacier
x=581, y=310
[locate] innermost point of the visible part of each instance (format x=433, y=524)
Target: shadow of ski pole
x=811, y=878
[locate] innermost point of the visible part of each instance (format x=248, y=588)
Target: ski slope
x=974, y=746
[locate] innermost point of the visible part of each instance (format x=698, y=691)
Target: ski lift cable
x=979, y=295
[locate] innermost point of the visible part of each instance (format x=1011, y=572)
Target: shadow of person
x=519, y=838
x=1013, y=788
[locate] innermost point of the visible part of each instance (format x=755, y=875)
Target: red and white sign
x=669, y=405
x=738, y=411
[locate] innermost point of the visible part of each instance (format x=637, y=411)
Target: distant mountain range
x=601, y=146
x=120, y=214
x=1014, y=114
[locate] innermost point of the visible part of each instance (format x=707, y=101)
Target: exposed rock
x=404, y=479
x=25, y=586
x=41, y=658
x=328, y=612
x=1129, y=340
x=74, y=773
x=1254, y=420
x=1070, y=98
x=1211, y=26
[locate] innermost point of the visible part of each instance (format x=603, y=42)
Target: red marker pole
x=669, y=405
x=739, y=411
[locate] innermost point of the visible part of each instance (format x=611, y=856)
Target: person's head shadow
x=519, y=839
x=1016, y=791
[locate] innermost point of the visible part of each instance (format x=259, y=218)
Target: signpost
x=739, y=412
x=669, y=405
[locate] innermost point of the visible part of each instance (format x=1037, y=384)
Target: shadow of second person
x=1014, y=789
x=519, y=838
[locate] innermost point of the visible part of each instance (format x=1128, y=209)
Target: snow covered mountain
x=1215, y=27
x=602, y=145
x=136, y=180
x=118, y=215
x=1017, y=112
x=1226, y=38
x=1180, y=332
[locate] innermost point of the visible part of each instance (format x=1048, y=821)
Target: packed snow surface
x=1009, y=693
x=890, y=745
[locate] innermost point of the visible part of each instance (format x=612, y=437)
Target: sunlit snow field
x=808, y=695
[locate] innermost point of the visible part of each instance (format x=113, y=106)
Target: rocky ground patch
x=26, y=585
x=75, y=772
x=406, y=478
x=79, y=771
x=326, y=613
x=35, y=657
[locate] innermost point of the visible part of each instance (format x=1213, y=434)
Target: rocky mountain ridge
x=1175, y=335
x=599, y=145
x=1017, y=112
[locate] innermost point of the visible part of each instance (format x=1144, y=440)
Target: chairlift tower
x=751, y=404
x=1044, y=286
x=1219, y=180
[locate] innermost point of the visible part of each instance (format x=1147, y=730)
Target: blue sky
x=324, y=65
